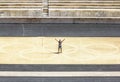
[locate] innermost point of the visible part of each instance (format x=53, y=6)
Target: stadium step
x=58, y=8
x=17, y=1
x=20, y=5
x=21, y=8
x=86, y=4
x=84, y=8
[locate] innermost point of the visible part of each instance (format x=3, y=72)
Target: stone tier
x=60, y=8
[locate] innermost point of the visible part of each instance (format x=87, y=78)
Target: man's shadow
x=56, y=53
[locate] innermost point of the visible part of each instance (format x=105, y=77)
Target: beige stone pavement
x=43, y=50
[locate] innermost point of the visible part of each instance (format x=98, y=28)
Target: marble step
x=88, y=4
x=61, y=4
x=79, y=0
x=20, y=5
x=60, y=8
x=85, y=3
x=11, y=1
x=84, y=8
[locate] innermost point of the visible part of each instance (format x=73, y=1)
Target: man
x=59, y=45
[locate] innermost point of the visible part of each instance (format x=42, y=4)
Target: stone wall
x=59, y=8
x=59, y=20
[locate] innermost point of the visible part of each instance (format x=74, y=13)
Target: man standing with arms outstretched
x=59, y=45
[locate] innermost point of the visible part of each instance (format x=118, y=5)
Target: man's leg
x=60, y=50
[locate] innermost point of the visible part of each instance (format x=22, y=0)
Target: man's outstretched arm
x=56, y=39
x=63, y=40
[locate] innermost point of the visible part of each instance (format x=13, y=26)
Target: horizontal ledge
x=13, y=7
x=55, y=17
x=85, y=9
x=58, y=74
x=21, y=3
x=20, y=9
x=52, y=1
x=64, y=9
x=83, y=1
x=85, y=4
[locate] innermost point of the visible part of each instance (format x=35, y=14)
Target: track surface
x=43, y=50
x=60, y=30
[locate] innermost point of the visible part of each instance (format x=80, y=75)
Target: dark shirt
x=60, y=43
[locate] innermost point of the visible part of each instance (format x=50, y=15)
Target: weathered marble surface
x=59, y=8
x=85, y=13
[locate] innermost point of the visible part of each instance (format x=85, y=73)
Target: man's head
x=59, y=39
